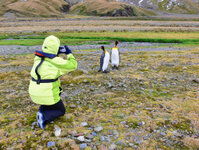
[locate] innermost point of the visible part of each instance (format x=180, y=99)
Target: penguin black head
x=116, y=42
x=102, y=47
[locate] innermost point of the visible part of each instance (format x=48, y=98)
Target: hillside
x=175, y=6
x=108, y=8
x=32, y=8
x=59, y=8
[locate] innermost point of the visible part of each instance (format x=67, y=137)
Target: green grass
x=72, y=38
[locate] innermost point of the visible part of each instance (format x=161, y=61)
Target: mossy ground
x=153, y=94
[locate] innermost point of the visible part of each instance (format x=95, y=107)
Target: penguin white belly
x=115, y=57
x=106, y=61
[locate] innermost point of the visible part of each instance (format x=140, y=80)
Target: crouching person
x=44, y=87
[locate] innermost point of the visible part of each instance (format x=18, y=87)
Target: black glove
x=68, y=51
x=64, y=50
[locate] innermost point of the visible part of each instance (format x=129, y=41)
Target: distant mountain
x=52, y=8
x=108, y=8
x=175, y=6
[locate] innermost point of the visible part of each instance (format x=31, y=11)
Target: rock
x=85, y=71
x=50, y=144
x=112, y=147
x=57, y=130
x=177, y=134
x=137, y=140
x=196, y=80
x=94, y=133
x=161, y=106
x=121, y=143
x=68, y=118
x=162, y=133
x=108, y=139
x=115, y=132
x=135, y=147
x=168, y=64
x=147, y=108
x=123, y=122
x=73, y=133
x=146, y=137
x=81, y=138
x=98, y=129
x=102, y=147
x=78, y=134
x=84, y=124
x=83, y=146
x=141, y=123
x=72, y=106
x=102, y=138
x=131, y=144
x=34, y=123
x=89, y=136
x=85, y=81
x=88, y=140
x=110, y=85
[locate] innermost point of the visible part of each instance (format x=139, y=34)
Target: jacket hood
x=51, y=45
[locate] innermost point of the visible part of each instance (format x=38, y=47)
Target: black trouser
x=51, y=112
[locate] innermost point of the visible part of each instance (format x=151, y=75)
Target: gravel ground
x=124, y=47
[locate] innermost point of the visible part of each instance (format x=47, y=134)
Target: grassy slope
x=4, y=6
x=82, y=37
x=44, y=8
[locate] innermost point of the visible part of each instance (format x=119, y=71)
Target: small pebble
x=98, y=129
x=50, y=144
x=57, y=130
x=83, y=146
x=94, y=133
x=81, y=138
x=84, y=124
x=102, y=138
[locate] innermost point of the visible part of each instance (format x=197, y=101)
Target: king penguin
x=104, y=60
x=115, y=56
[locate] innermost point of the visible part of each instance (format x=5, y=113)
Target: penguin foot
x=99, y=70
x=105, y=71
x=117, y=68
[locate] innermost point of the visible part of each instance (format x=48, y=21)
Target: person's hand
x=64, y=50
x=68, y=51
x=61, y=50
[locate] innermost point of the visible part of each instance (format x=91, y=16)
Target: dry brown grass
x=34, y=7
x=96, y=25
x=192, y=143
x=100, y=6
